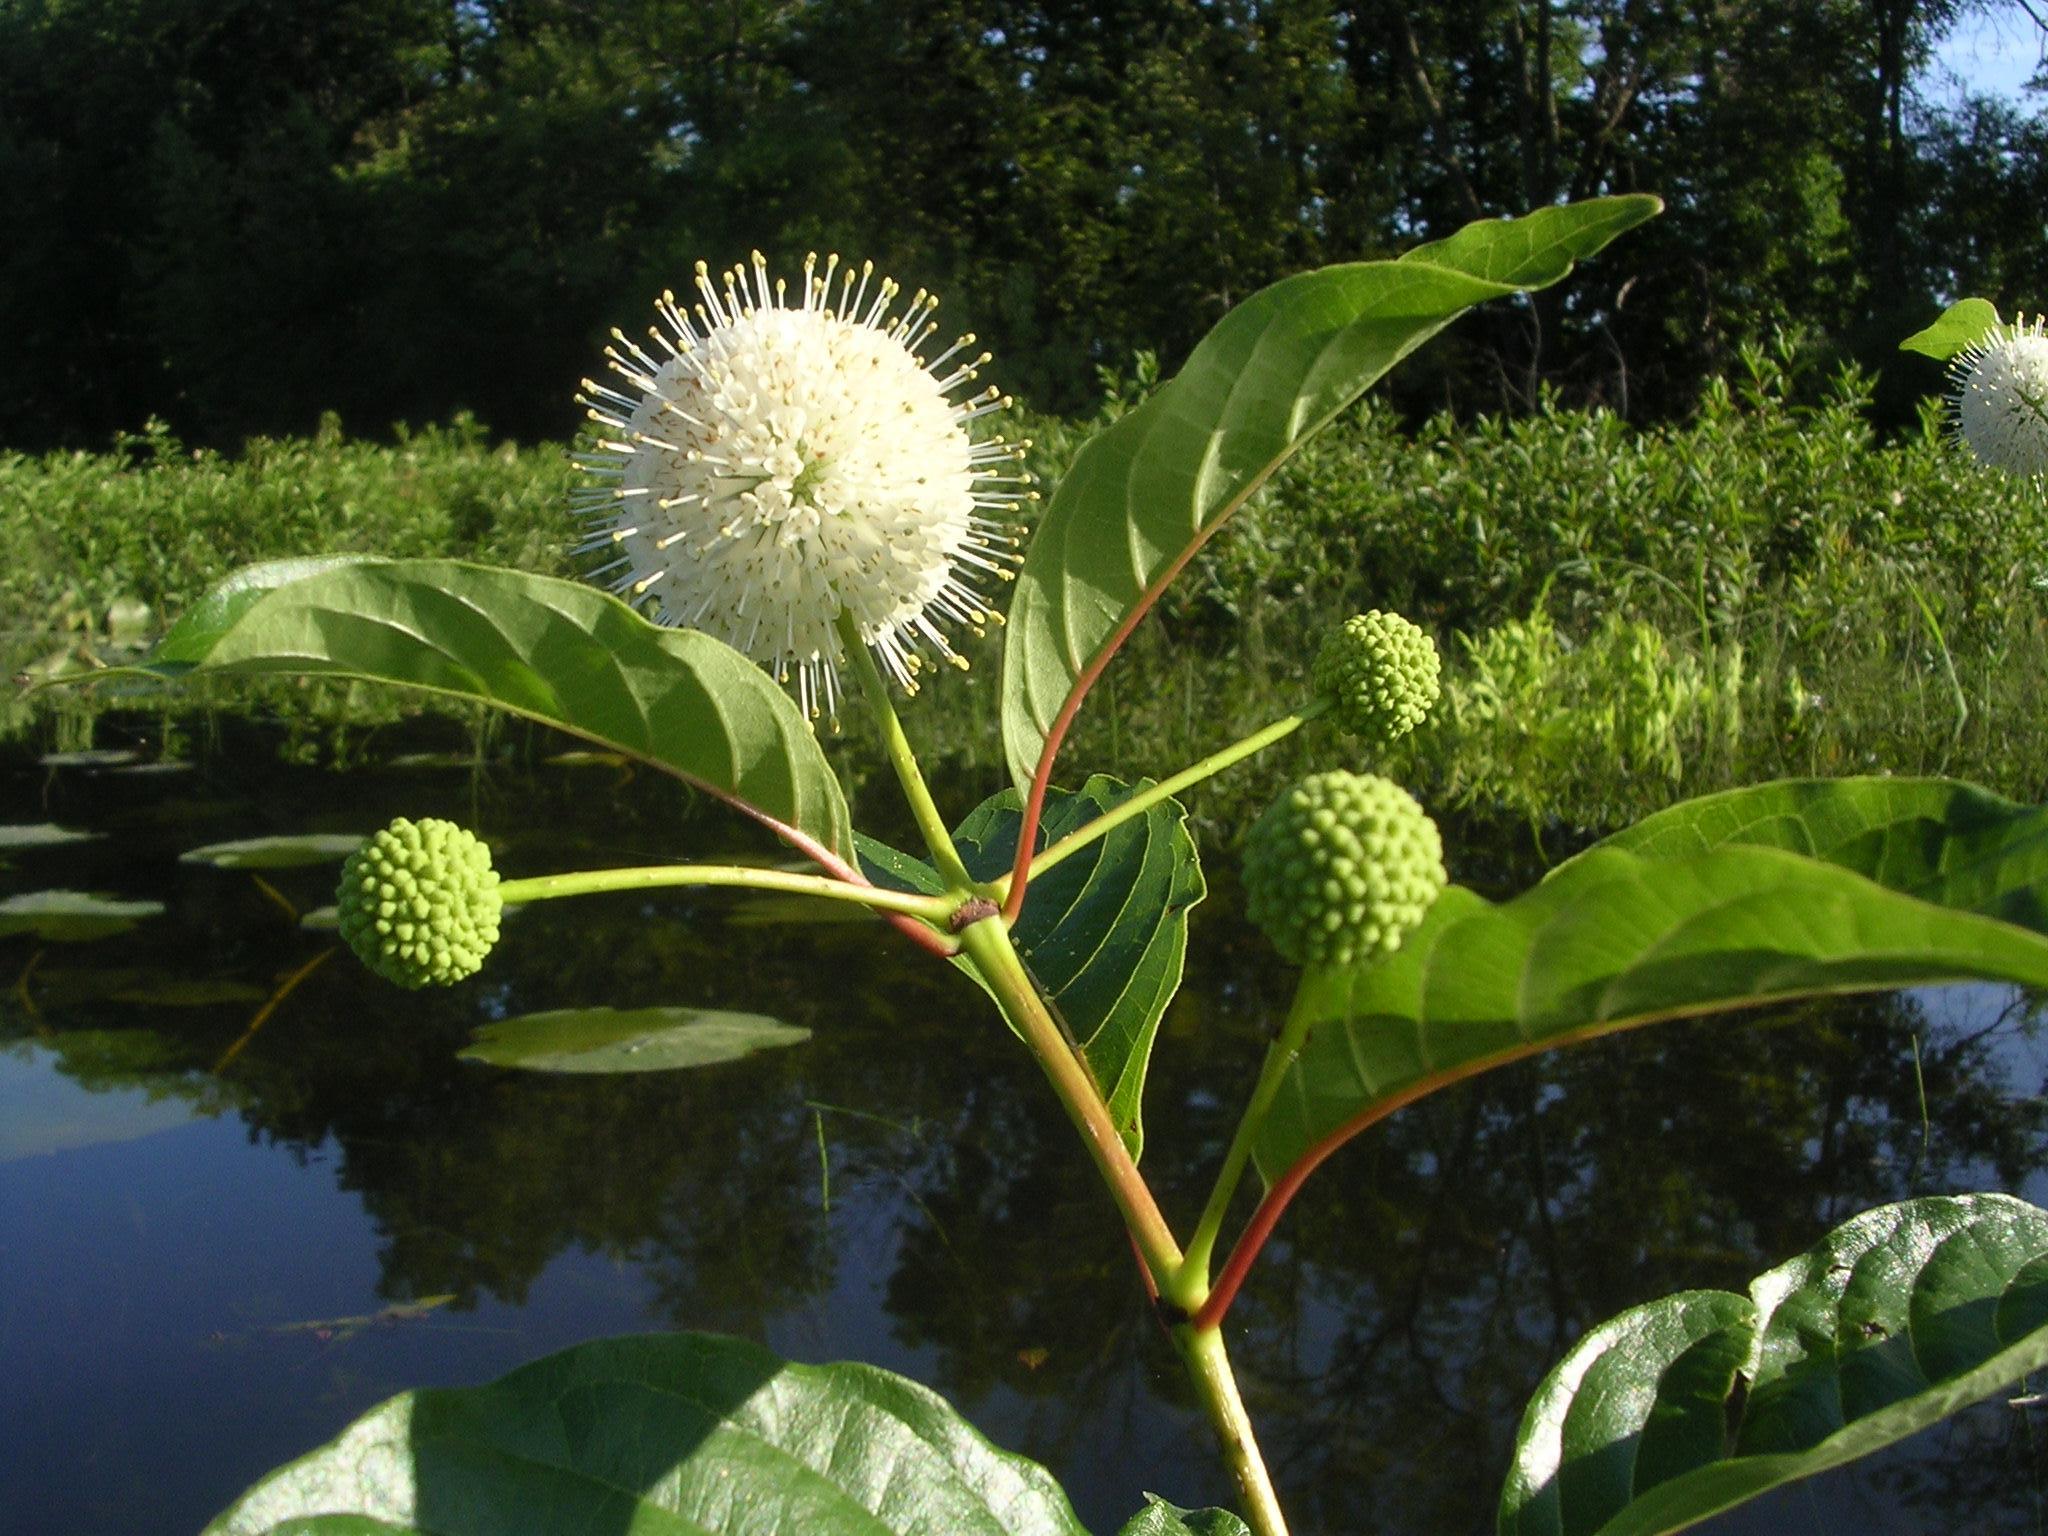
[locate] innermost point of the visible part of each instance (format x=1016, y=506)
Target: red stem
x=1056, y=733
x=1284, y=1189
x=918, y=933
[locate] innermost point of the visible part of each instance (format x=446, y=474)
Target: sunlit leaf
x=627, y=1039
x=283, y=852
x=1960, y=324
x=66, y=917
x=1700, y=908
x=1684, y=1407
x=1147, y=491
x=1104, y=933
x=552, y=650
x=679, y=1434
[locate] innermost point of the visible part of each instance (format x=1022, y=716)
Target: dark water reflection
x=198, y=1267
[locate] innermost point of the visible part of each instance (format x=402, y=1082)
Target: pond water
x=247, y=1191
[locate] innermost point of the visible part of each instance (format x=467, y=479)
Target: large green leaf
x=1144, y=493
x=661, y=1435
x=1960, y=325
x=610, y=1040
x=1703, y=907
x=1939, y=839
x=1104, y=933
x=1687, y=1406
x=552, y=650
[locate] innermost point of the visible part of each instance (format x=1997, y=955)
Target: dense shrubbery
x=1764, y=588
x=154, y=523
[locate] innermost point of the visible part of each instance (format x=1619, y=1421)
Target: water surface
x=218, y=1246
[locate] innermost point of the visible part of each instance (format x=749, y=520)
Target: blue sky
x=1988, y=53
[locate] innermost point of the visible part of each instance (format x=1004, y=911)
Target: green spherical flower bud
x=1341, y=867
x=419, y=903
x=1381, y=671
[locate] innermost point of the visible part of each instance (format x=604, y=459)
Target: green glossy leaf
x=1960, y=324
x=627, y=1039
x=1682, y=1408
x=65, y=917
x=1159, y=1518
x=1939, y=839
x=1147, y=491
x=663, y=1435
x=285, y=852
x=1701, y=908
x=1104, y=933
x=552, y=650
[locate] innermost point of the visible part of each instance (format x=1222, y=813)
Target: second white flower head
x=2000, y=397
x=775, y=460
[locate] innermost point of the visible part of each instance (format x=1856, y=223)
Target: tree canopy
x=237, y=214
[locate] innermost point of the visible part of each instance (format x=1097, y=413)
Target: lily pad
x=96, y=757
x=64, y=917
x=46, y=834
x=408, y=761
x=627, y=1039
x=292, y=852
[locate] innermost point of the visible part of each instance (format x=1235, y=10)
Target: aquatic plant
x=1069, y=908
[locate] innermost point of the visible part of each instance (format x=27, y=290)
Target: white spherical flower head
x=773, y=461
x=2000, y=397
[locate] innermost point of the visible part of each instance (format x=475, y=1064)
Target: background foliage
x=238, y=215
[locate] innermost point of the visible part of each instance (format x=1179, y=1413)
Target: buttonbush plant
x=1068, y=905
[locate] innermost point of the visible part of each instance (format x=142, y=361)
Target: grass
x=1628, y=616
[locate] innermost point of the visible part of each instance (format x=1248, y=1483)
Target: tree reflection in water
x=948, y=1226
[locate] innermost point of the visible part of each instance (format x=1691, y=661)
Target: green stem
x=987, y=944
x=1208, y=1363
x=1280, y=1056
x=876, y=691
x=933, y=909
x=1145, y=799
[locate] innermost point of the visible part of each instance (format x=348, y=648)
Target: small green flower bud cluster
x=1341, y=867
x=419, y=903
x=1382, y=672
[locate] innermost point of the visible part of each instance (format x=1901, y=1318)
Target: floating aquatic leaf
x=627, y=1039
x=97, y=757
x=288, y=852
x=406, y=761
x=46, y=834
x=63, y=917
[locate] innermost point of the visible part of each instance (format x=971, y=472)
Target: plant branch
x=1056, y=733
x=1288, y=1185
x=1166, y=789
x=901, y=758
x=987, y=944
x=932, y=909
x=1208, y=1364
